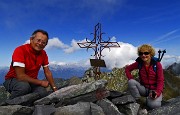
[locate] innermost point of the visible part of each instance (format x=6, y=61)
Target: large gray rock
x=108, y=107
x=15, y=110
x=129, y=109
x=88, y=97
x=71, y=91
x=171, y=108
x=81, y=108
x=123, y=99
x=26, y=100
x=3, y=94
x=126, y=104
x=44, y=110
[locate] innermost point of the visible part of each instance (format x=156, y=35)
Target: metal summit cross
x=97, y=44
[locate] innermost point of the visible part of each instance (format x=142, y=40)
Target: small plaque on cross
x=97, y=63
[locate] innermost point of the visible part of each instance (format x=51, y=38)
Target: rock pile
x=83, y=99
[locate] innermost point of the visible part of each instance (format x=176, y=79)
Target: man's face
x=38, y=41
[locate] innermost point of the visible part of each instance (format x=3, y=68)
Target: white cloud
x=119, y=57
x=27, y=42
x=113, y=39
x=56, y=43
x=169, y=59
x=74, y=46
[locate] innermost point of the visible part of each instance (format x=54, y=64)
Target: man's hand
x=44, y=83
x=54, y=88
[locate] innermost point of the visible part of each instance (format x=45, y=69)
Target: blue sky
x=129, y=22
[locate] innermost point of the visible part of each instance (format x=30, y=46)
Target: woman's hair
x=146, y=47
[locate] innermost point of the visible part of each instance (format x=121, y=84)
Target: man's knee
x=22, y=88
x=19, y=89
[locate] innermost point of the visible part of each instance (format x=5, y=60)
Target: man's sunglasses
x=145, y=53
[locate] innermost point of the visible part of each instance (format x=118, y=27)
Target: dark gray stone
x=114, y=94
x=44, y=110
x=89, y=97
x=96, y=110
x=123, y=100
x=81, y=108
x=15, y=110
x=171, y=108
x=129, y=109
x=26, y=100
x=108, y=107
x=72, y=91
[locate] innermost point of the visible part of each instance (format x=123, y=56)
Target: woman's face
x=145, y=55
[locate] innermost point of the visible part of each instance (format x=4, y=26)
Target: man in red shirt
x=26, y=62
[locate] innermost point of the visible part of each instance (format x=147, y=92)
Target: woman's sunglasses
x=145, y=53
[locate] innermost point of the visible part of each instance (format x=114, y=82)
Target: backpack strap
x=154, y=61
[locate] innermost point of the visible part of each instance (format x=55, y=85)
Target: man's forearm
x=26, y=78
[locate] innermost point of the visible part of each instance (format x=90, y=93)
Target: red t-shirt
x=25, y=56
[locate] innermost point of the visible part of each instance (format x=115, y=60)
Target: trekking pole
x=164, y=51
x=159, y=55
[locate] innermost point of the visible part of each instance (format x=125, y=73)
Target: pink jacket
x=148, y=78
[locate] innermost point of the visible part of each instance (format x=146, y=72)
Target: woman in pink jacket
x=151, y=81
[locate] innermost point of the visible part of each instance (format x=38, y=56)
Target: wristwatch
x=54, y=87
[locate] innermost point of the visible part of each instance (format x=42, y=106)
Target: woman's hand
x=153, y=94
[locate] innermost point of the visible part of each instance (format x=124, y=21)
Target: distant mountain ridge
x=175, y=68
x=65, y=71
x=58, y=71
x=3, y=71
